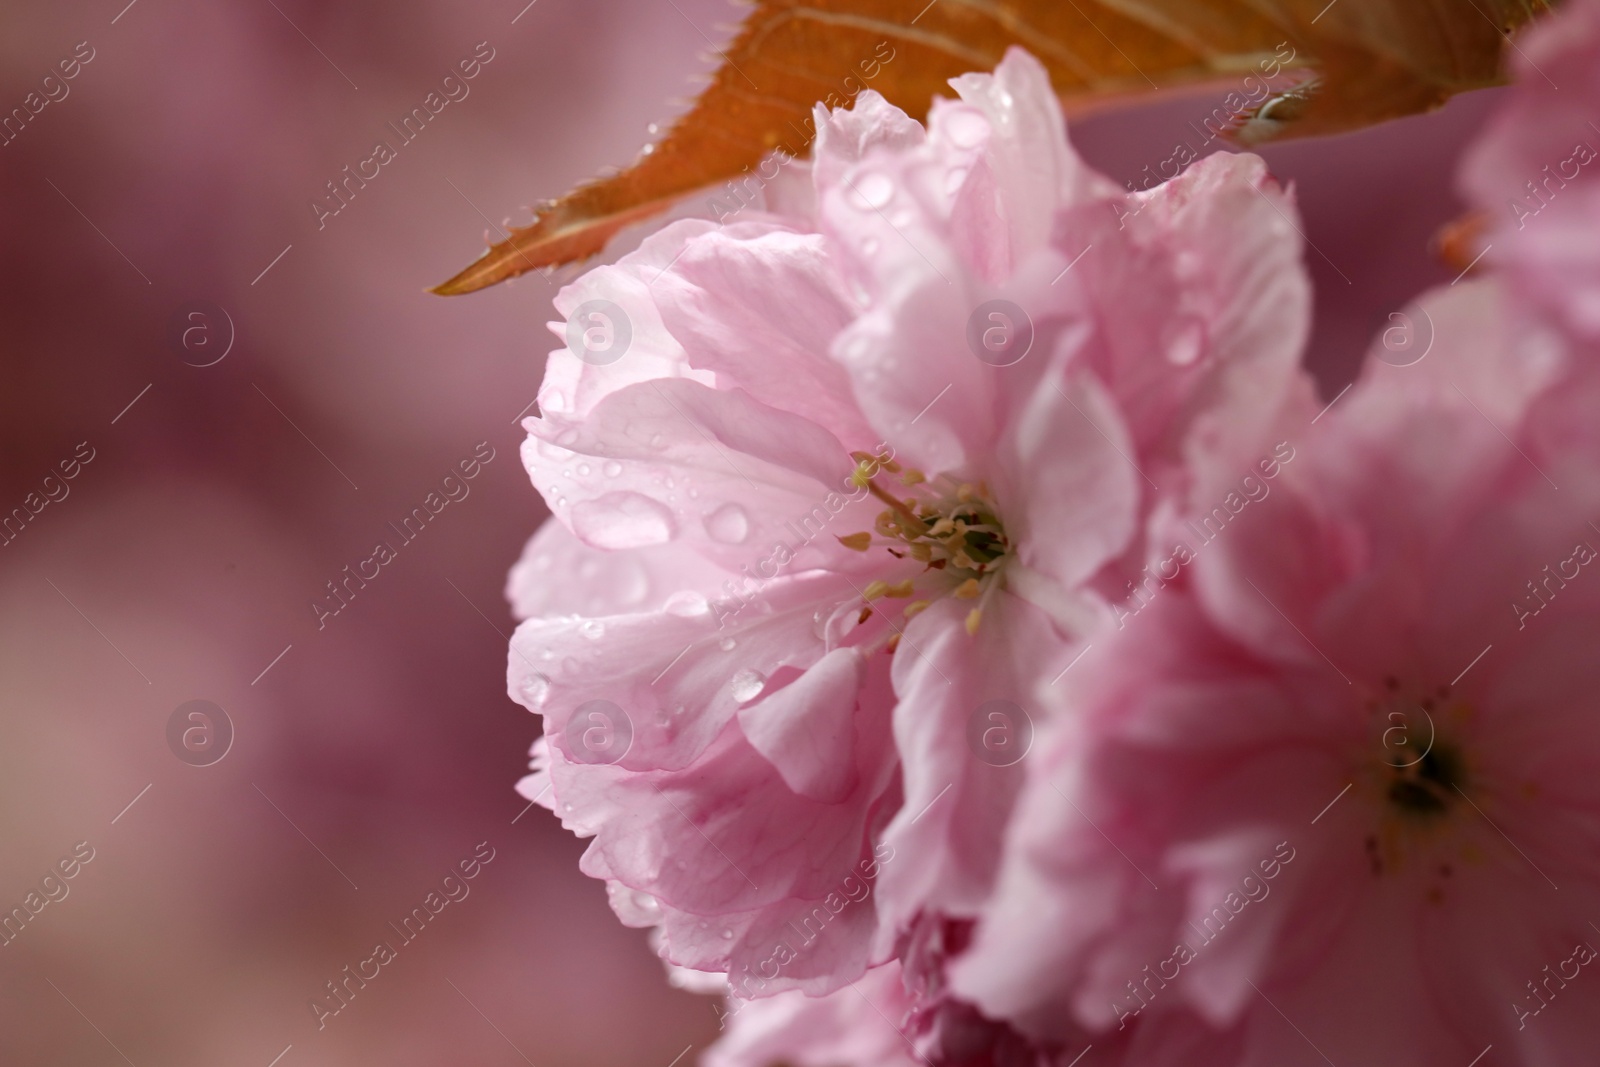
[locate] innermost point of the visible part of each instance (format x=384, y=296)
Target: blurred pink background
x=373, y=754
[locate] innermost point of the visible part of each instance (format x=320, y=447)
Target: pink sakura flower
x=1334, y=793
x=827, y=484
x=860, y=1024
x=1536, y=172
x=897, y=1015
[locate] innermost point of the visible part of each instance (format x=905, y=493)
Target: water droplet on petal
x=537, y=690
x=727, y=644
x=593, y=629
x=612, y=468
x=747, y=685
x=1184, y=347
x=686, y=604
x=646, y=903
x=623, y=520
x=727, y=935
x=728, y=524
x=965, y=127
x=857, y=348
x=555, y=400
x=874, y=189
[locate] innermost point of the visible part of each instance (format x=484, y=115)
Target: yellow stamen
x=968, y=590
x=899, y=589
x=894, y=642
x=916, y=607
x=913, y=477
x=875, y=588
x=974, y=617
x=860, y=542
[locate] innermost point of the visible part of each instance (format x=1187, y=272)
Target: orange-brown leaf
x=1372, y=60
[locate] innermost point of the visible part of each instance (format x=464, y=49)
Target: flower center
x=952, y=527
x=1420, y=781
x=1429, y=786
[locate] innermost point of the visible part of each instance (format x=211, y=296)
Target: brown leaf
x=1367, y=60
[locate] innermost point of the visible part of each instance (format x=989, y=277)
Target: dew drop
x=623, y=520
x=727, y=644
x=1184, y=347
x=554, y=401
x=874, y=189
x=593, y=629
x=857, y=349
x=612, y=468
x=965, y=127
x=537, y=690
x=747, y=685
x=728, y=524
x=686, y=604
x=647, y=904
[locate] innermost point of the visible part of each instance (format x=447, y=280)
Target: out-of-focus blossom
x=1339, y=779
x=864, y=468
x=1536, y=171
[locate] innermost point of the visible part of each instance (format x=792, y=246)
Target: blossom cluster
x=1284, y=778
